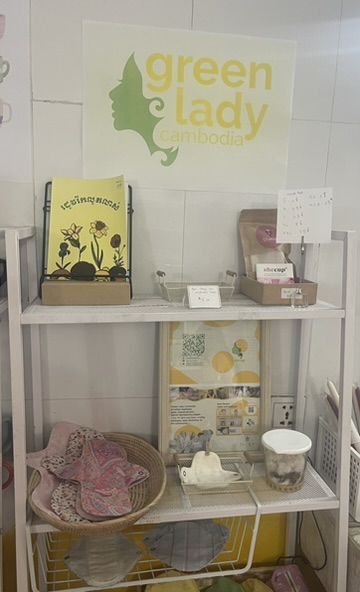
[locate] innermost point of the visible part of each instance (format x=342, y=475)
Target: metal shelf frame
x=3, y=309
x=153, y=309
x=48, y=572
x=3, y=300
x=314, y=496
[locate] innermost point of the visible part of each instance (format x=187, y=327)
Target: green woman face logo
x=133, y=111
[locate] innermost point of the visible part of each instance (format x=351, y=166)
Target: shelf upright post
x=309, y=268
x=310, y=265
x=12, y=243
x=2, y=234
x=35, y=347
x=265, y=376
x=345, y=383
x=348, y=240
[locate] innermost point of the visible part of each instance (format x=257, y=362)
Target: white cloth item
x=102, y=561
x=206, y=471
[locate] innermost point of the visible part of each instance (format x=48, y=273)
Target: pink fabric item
x=74, y=449
x=80, y=510
x=63, y=502
x=63, y=499
x=288, y=578
x=57, y=445
x=105, y=475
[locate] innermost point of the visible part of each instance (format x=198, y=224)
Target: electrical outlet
x=283, y=412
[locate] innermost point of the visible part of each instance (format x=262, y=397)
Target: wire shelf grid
x=50, y=574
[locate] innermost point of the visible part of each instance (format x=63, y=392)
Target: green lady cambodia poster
x=186, y=109
x=88, y=229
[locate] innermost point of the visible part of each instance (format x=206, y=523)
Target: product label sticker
x=288, y=293
x=204, y=296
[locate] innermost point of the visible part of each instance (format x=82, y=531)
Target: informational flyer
x=214, y=386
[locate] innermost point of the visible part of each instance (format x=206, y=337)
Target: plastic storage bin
x=325, y=464
x=353, y=572
x=285, y=458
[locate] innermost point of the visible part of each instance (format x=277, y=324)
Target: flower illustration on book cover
x=72, y=235
x=62, y=271
x=83, y=269
x=98, y=230
x=118, y=269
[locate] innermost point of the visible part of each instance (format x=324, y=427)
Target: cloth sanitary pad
x=102, y=561
x=187, y=546
x=105, y=476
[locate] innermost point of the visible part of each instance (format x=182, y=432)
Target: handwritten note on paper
x=304, y=213
x=204, y=296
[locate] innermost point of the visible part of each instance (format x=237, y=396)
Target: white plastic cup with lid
x=285, y=458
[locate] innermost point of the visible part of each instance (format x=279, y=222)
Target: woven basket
x=142, y=496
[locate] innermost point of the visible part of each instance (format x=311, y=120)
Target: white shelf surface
x=156, y=309
x=175, y=506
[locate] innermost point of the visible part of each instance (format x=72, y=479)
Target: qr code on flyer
x=193, y=348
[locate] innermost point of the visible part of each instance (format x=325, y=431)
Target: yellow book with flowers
x=87, y=237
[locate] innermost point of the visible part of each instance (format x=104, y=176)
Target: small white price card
x=304, y=215
x=204, y=296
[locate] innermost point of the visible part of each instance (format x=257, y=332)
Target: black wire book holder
x=125, y=274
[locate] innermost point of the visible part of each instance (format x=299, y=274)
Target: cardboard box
x=80, y=293
x=277, y=294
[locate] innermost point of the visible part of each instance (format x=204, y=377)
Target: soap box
x=82, y=293
x=278, y=294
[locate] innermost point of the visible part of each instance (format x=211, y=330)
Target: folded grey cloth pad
x=187, y=546
x=103, y=560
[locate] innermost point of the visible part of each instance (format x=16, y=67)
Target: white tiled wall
x=192, y=235
x=57, y=37
x=314, y=25
x=347, y=89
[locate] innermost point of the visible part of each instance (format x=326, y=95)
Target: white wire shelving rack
x=47, y=549
x=38, y=543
